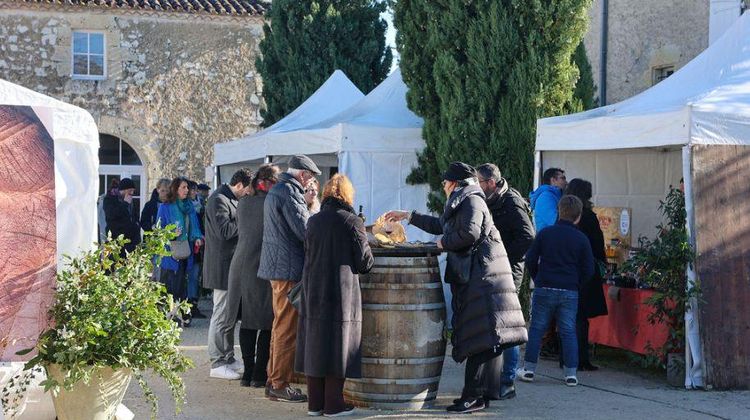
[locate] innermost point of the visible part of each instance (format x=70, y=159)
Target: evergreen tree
x=480, y=73
x=583, y=94
x=305, y=41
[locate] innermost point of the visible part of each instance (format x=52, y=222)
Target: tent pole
x=537, y=168
x=694, y=362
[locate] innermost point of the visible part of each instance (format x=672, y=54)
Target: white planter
x=97, y=400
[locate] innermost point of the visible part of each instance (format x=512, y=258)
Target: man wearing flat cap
x=121, y=217
x=285, y=217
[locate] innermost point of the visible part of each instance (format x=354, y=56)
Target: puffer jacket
x=486, y=310
x=285, y=216
x=511, y=216
x=544, y=205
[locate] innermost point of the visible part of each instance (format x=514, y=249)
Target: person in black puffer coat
x=487, y=315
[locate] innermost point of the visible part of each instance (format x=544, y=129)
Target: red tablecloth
x=627, y=326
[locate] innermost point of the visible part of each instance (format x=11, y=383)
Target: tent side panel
x=722, y=214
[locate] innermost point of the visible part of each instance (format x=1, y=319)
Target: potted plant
x=109, y=321
x=662, y=265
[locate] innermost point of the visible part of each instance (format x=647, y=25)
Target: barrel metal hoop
x=385, y=381
x=395, y=398
x=413, y=307
x=397, y=286
x=393, y=269
x=410, y=361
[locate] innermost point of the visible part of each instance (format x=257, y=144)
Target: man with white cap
x=281, y=261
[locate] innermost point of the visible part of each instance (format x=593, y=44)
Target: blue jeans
x=563, y=305
x=510, y=363
x=192, y=285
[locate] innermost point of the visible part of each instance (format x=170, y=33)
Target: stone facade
x=176, y=83
x=645, y=35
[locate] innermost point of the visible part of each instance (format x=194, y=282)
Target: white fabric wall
x=634, y=178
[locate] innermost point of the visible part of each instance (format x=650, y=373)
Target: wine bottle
x=361, y=215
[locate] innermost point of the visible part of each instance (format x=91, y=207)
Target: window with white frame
x=89, y=61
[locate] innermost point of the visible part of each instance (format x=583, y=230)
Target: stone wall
x=643, y=35
x=175, y=85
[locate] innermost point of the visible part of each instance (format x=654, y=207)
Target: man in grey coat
x=285, y=217
x=221, y=241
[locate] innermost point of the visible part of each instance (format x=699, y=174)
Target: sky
x=390, y=37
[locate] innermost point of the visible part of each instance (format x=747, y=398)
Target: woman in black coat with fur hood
x=487, y=315
x=591, y=302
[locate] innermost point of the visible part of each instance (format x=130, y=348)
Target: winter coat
x=560, y=257
x=285, y=216
x=544, y=205
x=510, y=213
x=122, y=220
x=221, y=238
x=244, y=284
x=170, y=214
x=486, y=310
x=149, y=213
x=329, y=331
x=591, y=300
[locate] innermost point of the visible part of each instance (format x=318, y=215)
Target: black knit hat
x=126, y=183
x=458, y=171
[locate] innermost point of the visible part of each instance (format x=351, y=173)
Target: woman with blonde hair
x=329, y=331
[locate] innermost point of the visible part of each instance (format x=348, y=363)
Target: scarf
x=185, y=207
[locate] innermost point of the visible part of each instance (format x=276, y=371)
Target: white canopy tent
x=375, y=143
x=633, y=150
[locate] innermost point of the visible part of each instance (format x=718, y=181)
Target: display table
x=627, y=326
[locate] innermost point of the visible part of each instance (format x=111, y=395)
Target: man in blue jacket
x=544, y=199
x=560, y=261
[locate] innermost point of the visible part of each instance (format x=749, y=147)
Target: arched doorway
x=117, y=160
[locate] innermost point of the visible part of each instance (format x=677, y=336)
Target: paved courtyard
x=605, y=394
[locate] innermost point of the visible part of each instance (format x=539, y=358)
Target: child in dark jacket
x=560, y=261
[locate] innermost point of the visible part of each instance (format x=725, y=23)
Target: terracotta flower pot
x=97, y=400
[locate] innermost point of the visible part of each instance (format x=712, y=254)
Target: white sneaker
x=237, y=366
x=525, y=375
x=224, y=372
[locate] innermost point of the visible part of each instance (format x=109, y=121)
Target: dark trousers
x=256, y=349
x=481, y=371
x=325, y=394
x=582, y=333
x=176, y=281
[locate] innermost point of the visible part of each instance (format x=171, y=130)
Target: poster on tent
x=27, y=229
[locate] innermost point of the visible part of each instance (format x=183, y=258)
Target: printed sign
x=27, y=229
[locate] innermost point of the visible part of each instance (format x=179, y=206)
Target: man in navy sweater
x=560, y=261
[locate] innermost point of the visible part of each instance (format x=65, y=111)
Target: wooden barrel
x=403, y=347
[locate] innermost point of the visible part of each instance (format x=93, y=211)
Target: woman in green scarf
x=178, y=210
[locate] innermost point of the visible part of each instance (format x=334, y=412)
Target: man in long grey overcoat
x=221, y=241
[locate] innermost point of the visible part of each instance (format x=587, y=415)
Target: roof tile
x=216, y=7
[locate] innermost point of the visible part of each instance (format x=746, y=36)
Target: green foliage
x=306, y=41
x=480, y=73
x=583, y=94
x=662, y=264
x=108, y=312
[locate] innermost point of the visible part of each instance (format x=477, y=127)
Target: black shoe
x=287, y=394
x=196, y=313
x=247, y=383
x=466, y=406
x=589, y=367
x=507, y=391
x=257, y=384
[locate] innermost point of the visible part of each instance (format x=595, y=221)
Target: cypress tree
x=305, y=41
x=480, y=73
x=583, y=94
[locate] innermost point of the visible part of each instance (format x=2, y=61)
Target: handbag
x=460, y=264
x=295, y=296
x=181, y=248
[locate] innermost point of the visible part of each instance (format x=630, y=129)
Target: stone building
x=164, y=79
x=646, y=41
